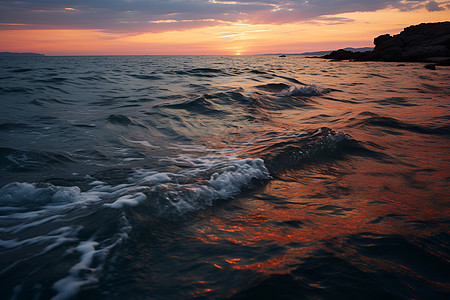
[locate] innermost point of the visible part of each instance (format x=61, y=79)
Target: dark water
x=255, y=177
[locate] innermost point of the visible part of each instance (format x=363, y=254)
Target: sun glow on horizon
x=357, y=29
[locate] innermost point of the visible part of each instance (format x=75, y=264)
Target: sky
x=220, y=27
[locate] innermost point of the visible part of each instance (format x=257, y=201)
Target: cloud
x=433, y=6
x=138, y=16
x=329, y=21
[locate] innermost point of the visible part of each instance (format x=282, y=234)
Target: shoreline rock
x=426, y=42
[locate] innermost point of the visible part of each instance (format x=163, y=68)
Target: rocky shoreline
x=426, y=42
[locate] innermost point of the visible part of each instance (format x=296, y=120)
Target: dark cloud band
x=137, y=16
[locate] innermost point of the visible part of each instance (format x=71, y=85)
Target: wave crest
x=26, y=194
x=304, y=90
x=197, y=191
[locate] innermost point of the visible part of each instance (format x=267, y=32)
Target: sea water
x=177, y=177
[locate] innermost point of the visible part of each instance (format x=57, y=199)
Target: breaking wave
x=64, y=214
x=304, y=90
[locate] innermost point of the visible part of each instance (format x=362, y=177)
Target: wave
x=95, y=78
x=123, y=120
x=295, y=90
x=12, y=126
x=41, y=221
x=399, y=101
x=215, y=104
x=16, y=90
x=200, y=104
x=201, y=72
x=273, y=87
x=19, y=160
x=304, y=90
x=205, y=70
x=258, y=72
x=335, y=271
x=23, y=70
x=52, y=80
x=227, y=180
x=146, y=77
x=199, y=182
x=53, y=219
x=25, y=194
x=247, y=106
x=57, y=223
x=371, y=119
x=291, y=150
x=49, y=101
x=208, y=179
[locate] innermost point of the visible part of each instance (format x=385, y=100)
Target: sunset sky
x=107, y=27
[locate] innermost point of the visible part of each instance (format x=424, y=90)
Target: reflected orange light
x=233, y=260
x=314, y=214
x=269, y=264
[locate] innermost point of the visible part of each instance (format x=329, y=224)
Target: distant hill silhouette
x=20, y=54
x=363, y=49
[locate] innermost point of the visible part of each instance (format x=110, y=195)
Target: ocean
x=223, y=177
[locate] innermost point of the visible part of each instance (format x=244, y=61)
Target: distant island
x=426, y=42
x=320, y=53
x=20, y=54
x=363, y=49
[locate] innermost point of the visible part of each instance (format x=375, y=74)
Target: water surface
x=175, y=177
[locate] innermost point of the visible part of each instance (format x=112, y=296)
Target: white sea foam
x=46, y=206
x=207, y=179
x=304, y=90
x=154, y=177
x=55, y=235
x=19, y=194
x=88, y=269
x=50, y=240
x=52, y=217
x=128, y=200
x=143, y=143
x=225, y=180
x=229, y=181
x=211, y=177
x=29, y=224
x=69, y=286
x=133, y=159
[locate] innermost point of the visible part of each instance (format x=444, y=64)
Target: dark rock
x=417, y=53
x=430, y=67
x=342, y=54
x=382, y=39
x=322, y=53
x=388, y=49
x=416, y=43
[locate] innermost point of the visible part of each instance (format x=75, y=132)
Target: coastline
x=426, y=42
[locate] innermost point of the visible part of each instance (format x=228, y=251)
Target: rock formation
x=424, y=42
